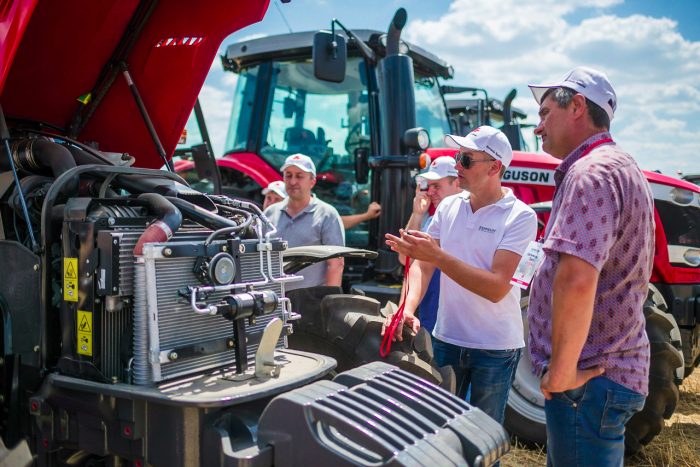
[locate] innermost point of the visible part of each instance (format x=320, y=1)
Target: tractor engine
x=144, y=312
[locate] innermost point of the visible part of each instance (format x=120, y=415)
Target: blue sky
x=650, y=50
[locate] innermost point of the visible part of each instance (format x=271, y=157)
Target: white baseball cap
x=593, y=84
x=276, y=187
x=486, y=139
x=300, y=160
x=441, y=167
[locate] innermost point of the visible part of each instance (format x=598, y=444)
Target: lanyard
x=385, y=348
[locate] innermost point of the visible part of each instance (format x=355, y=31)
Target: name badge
x=528, y=266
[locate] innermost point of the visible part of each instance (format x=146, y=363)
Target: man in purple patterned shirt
x=587, y=329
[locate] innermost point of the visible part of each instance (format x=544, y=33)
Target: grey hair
x=563, y=97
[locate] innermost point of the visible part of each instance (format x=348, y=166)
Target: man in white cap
x=432, y=186
x=587, y=327
x=303, y=219
x=274, y=193
x=476, y=238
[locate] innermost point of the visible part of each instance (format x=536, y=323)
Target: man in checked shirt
x=587, y=329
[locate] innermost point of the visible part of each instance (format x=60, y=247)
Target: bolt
x=111, y=221
x=241, y=249
x=87, y=261
x=97, y=300
x=229, y=343
x=167, y=251
x=36, y=267
x=87, y=274
x=172, y=356
x=36, y=348
x=115, y=241
x=115, y=380
x=252, y=320
x=224, y=248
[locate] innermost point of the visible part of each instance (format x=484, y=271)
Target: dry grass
x=678, y=445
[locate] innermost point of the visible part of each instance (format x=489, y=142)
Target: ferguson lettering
x=529, y=176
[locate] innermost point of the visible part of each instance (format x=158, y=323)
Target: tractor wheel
x=348, y=327
x=525, y=409
x=665, y=372
x=525, y=417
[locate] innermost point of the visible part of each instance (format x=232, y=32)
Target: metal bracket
x=265, y=365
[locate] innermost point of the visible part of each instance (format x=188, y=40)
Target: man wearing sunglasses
x=476, y=238
x=432, y=186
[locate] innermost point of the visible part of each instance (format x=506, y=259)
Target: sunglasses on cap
x=466, y=160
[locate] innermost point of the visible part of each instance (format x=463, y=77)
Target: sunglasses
x=466, y=160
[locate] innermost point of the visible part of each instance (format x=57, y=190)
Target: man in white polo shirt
x=432, y=186
x=476, y=239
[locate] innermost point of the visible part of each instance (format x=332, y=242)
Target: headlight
x=682, y=196
x=416, y=139
x=692, y=257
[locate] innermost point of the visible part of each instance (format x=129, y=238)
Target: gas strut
x=5, y=137
x=144, y=114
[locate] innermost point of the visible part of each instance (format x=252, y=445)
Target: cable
x=284, y=18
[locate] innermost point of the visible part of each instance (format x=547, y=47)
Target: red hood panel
x=67, y=43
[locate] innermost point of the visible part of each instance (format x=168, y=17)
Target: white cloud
x=509, y=43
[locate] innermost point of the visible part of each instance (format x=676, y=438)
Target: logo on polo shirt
x=487, y=229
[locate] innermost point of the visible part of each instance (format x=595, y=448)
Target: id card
x=528, y=266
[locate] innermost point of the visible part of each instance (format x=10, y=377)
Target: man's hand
x=409, y=319
x=414, y=244
x=421, y=202
x=557, y=381
x=373, y=210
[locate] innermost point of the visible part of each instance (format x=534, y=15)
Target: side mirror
x=330, y=55
x=361, y=165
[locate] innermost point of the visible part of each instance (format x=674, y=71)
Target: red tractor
x=365, y=108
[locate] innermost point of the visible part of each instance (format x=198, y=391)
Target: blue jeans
x=586, y=425
x=487, y=374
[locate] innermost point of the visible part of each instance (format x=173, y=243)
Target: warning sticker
x=70, y=279
x=84, y=333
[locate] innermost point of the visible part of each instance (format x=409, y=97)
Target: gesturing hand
x=414, y=244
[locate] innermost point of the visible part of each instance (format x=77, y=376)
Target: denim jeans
x=586, y=425
x=486, y=374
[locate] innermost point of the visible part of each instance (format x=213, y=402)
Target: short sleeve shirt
x=317, y=224
x=602, y=213
x=464, y=318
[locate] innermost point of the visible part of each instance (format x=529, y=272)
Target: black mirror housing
x=330, y=56
x=361, y=165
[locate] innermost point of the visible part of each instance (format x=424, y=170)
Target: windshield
x=326, y=121
x=430, y=111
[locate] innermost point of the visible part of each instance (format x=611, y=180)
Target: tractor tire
x=665, y=373
x=348, y=328
x=525, y=418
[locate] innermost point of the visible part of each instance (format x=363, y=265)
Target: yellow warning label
x=84, y=334
x=70, y=279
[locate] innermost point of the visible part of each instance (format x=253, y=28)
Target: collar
x=311, y=207
x=504, y=203
x=581, y=151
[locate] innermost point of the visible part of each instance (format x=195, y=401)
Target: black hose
x=34, y=155
x=169, y=219
x=201, y=216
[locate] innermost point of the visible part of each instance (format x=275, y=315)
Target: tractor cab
x=280, y=108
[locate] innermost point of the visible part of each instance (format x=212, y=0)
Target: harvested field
x=678, y=445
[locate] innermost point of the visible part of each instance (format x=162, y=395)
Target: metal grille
x=177, y=325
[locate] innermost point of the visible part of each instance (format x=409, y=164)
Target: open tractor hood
x=61, y=66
